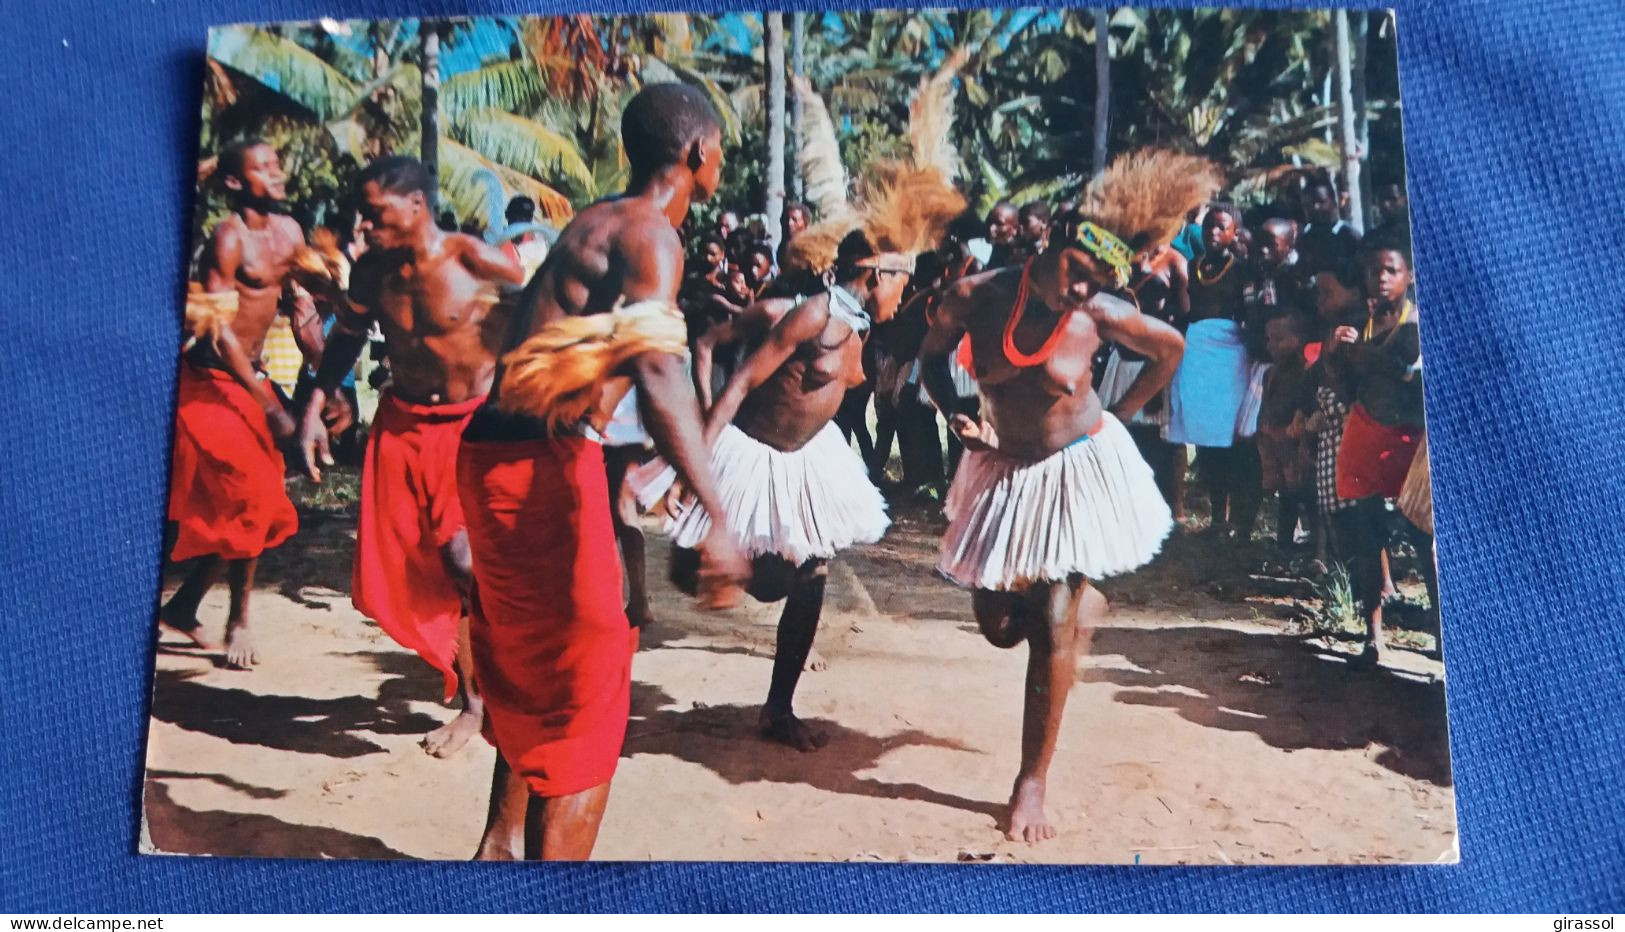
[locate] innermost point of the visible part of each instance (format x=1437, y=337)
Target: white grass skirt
x=1092, y=508
x=809, y=503
x=1115, y=379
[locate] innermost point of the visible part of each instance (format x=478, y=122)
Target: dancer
x=793, y=491
x=1052, y=492
x=434, y=295
x=552, y=644
x=226, y=495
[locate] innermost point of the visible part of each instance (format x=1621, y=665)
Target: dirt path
x=1200, y=732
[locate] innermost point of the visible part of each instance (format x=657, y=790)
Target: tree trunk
x=429, y=39
x=798, y=64
x=1345, y=121
x=1103, y=85
x=1362, y=129
x=775, y=127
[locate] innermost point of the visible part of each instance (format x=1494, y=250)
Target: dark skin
x=1161, y=284
x=432, y=293
x=624, y=249
x=787, y=391
x=1031, y=413
x=252, y=252
x=1285, y=399
x=1379, y=367
x=1217, y=284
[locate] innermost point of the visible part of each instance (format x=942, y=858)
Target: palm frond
x=462, y=190
x=514, y=86
x=523, y=145
x=284, y=66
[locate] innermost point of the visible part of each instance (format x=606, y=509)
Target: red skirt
x=225, y=485
x=409, y=511
x=1374, y=457
x=551, y=642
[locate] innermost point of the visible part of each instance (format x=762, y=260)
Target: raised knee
x=1001, y=627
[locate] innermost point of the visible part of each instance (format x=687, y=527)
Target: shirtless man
x=226, y=491
x=433, y=294
x=552, y=644
x=1051, y=492
x=798, y=492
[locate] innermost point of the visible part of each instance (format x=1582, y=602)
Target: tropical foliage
x=534, y=102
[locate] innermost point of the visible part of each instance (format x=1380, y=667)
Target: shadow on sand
x=175, y=829
x=1283, y=690
x=724, y=739
x=297, y=723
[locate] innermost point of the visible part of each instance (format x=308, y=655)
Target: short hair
x=1002, y=205
x=966, y=227
x=661, y=121
x=521, y=210
x=232, y=157
x=794, y=206
x=761, y=249
x=711, y=239
x=1386, y=242
x=397, y=174
x=1292, y=314
x=1037, y=209
x=1291, y=230
x=1224, y=207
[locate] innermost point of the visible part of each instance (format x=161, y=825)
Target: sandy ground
x=1202, y=731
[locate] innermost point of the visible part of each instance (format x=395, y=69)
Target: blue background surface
x=1515, y=120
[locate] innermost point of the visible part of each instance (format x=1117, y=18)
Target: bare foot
x=449, y=738
x=505, y=849
x=639, y=613
x=1028, y=822
x=785, y=728
x=816, y=661
x=187, y=628
x=240, y=653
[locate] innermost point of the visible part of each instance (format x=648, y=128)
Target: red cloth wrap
x=1374, y=457
x=552, y=646
x=409, y=511
x=225, y=485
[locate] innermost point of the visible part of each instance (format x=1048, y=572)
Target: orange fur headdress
x=559, y=373
x=904, y=207
x=1141, y=201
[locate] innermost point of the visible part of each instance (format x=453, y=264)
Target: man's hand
x=313, y=451
x=1345, y=334
x=338, y=415
x=974, y=435
x=281, y=422
x=723, y=570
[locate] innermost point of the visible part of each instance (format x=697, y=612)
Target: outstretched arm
x=654, y=263
x=756, y=319
x=490, y=262
x=804, y=323
x=1119, y=322
x=343, y=347
x=947, y=328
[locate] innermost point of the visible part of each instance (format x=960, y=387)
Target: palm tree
x=1103, y=86
x=429, y=64
x=1347, y=134
x=774, y=54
